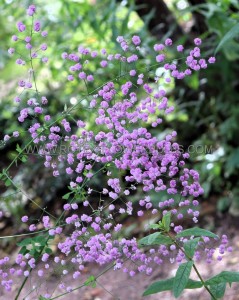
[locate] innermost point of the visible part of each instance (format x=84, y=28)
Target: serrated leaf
x=225, y=276
x=181, y=278
x=167, y=285
x=218, y=290
x=191, y=246
x=231, y=34
x=155, y=239
x=196, y=231
x=166, y=220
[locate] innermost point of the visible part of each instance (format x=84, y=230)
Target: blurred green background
x=207, y=110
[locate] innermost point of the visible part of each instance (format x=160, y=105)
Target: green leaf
x=224, y=276
x=48, y=251
x=90, y=281
x=43, y=298
x=181, y=278
x=231, y=34
x=159, y=286
x=218, y=290
x=8, y=182
x=18, y=148
x=23, y=250
x=41, y=239
x=166, y=221
x=190, y=247
x=66, y=196
x=155, y=239
x=196, y=231
x=23, y=158
x=155, y=226
x=193, y=284
x=167, y=285
x=25, y=242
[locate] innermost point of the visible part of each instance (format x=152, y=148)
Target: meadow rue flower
x=31, y=10
x=37, y=26
x=212, y=60
x=24, y=219
x=122, y=110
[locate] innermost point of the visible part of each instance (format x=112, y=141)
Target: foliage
x=216, y=285
x=212, y=110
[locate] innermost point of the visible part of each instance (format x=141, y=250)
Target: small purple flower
x=74, y=206
x=103, y=63
x=132, y=72
x=82, y=75
x=27, y=39
x=21, y=83
x=11, y=50
x=40, y=273
x=47, y=118
x=197, y=41
x=28, y=85
x=31, y=10
x=21, y=27
x=44, y=59
x=19, y=61
x=28, y=46
x=45, y=257
x=44, y=33
x=168, y=42
x=37, y=26
x=43, y=47
x=32, y=227
x=90, y=78
x=14, y=38
x=34, y=55
x=38, y=110
x=69, y=171
x=6, y=138
x=212, y=60
x=70, y=77
x=160, y=58
x=51, y=232
x=64, y=55
x=136, y=40
x=180, y=48
x=24, y=219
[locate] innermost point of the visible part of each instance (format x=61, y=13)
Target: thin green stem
x=194, y=266
x=21, y=287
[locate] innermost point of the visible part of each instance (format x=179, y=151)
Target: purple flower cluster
x=124, y=110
